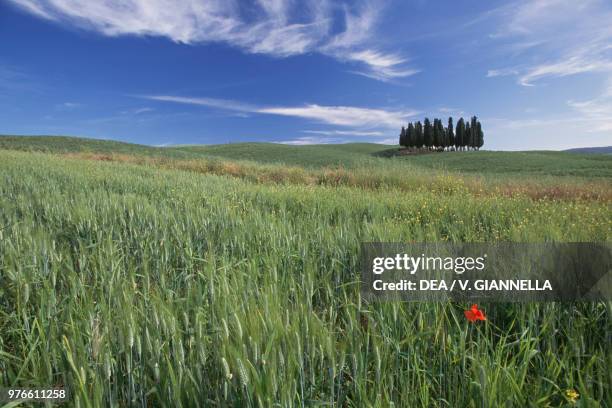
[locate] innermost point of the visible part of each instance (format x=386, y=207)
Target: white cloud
x=554, y=39
x=310, y=140
x=573, y=64
x=535, y=134
x=358, y=27
x=597, y=112
x=590, y=119
x=381, y=66
x=445, y=110
x=68, y=106
x=348, y=46
x=33, y=7
x=137, y=111
x=279, y=28
x=348, y=116
x=501, y=72
x=563, y=37
x=210, y=102
x=608, y=89
x=344, y=115
x=389, y=141
x=344, y=132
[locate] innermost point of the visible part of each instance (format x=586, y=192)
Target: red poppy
x=474, y=314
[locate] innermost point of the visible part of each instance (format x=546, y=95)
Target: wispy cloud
x=522, y=134
x=501, y=72
x=348, y=116
x=344, y=115
x=66, y=106
x=573, y=64
x=563, y=38
x=445, y=110
x=597, y=111
x=591, y=119
x=34, y=7
x=344, y=133
x=382, y=67
x=210, y=102
x=310, y=140
x=138, y=111
x=279, y=28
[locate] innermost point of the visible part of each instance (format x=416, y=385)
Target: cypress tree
x=410, y=136
x=449, y=133
x=480, y=135
x=467, y=140
x=427, y=134
x=407, y=137
x=446, y=137
x=436, y=133
x=460, y=134
x=402, y=137
x=474, y=133
x=442, y=134
x=418, y=130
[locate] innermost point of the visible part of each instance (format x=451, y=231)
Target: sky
x=537, y=73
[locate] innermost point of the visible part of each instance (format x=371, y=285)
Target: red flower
x=474, y=314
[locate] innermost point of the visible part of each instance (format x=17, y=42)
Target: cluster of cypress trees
x=434, y=136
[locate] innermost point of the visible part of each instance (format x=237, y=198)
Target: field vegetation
x=213, y=276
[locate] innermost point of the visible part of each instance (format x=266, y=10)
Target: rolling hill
x=68, y=144
x=592, y=150
x=351, y=155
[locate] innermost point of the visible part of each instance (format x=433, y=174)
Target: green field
x=350, y=156
x=228, y=275
x=368, y=154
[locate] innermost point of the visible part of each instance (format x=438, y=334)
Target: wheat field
x=150, y=282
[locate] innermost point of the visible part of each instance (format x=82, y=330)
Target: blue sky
x=537, y=73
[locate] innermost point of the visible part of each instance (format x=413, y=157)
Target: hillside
x=67, y=144
x=592, y=150
x=351, y=155
x=347, y=155
x=370, y=154
x=532, y=162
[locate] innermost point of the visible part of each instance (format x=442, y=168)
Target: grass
x=310, y=156
x=138, y=279
x=347, y=156
x=521, y=163
x=386, y=176
x=63, y=144
x=369, y=155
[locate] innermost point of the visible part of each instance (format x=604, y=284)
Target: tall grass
x=381, y=175
x=135, y=285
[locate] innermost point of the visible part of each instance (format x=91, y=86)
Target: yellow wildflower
x=572, y=395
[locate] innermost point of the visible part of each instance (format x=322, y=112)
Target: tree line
x=434, y=136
